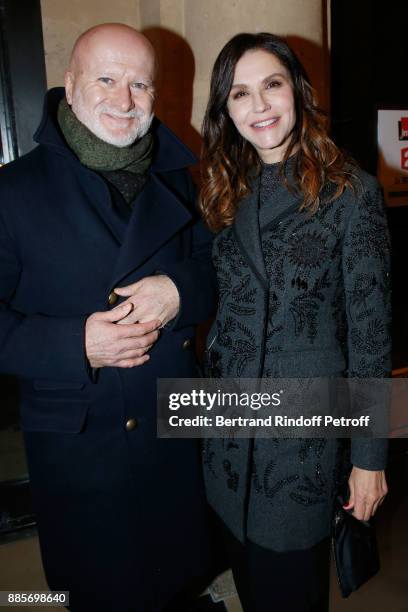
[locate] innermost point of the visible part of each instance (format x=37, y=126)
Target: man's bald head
x=110, y=82
x=112, y=35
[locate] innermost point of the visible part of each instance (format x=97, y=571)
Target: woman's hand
x=367, y=491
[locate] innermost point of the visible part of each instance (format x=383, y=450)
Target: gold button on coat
x=187, y=343
x=131, y=424
x=113, y=298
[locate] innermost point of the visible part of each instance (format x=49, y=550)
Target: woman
x=302, y=257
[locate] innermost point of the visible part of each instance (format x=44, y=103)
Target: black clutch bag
x=355, y=549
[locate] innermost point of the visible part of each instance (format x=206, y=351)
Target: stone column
x=64, y=21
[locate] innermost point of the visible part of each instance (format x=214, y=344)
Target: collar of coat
x=246, y=226
x=169, y=152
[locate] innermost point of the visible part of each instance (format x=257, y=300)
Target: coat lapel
x=157, y=216
x=247, y=229
x=100, y=201
x=247, y=233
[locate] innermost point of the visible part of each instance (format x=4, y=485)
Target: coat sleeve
x=195, y=276
x=366, y=273
x=35, y=346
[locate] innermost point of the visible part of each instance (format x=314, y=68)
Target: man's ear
x=69, y=85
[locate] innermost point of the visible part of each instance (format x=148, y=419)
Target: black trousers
x=268, y=581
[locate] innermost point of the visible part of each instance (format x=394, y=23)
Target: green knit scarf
x=124, y=167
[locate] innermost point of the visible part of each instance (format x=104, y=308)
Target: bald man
x=104, y=273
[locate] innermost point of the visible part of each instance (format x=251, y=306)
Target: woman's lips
x=265, y=124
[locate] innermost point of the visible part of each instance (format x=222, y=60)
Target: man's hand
x=120, y=346
x=367, y=491
x=153, y=297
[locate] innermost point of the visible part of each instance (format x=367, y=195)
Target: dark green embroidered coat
x=306, y=296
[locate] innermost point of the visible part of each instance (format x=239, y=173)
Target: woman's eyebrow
x=270, y=76
x=275, y=74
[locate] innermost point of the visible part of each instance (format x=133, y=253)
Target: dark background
x=22, y=87
x=369, y=71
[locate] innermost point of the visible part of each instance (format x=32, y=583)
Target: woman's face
x=261, y=104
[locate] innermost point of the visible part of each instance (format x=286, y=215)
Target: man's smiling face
x=110, y=85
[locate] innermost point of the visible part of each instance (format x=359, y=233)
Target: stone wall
x=188, y=34
x=64, y=20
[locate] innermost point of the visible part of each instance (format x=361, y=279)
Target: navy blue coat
x=121, y=514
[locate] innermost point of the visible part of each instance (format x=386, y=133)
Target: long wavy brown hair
x=228, y=160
